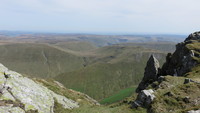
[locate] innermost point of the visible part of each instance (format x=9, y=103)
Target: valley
x=100, y=66
x=99, y=56
x=91, y=74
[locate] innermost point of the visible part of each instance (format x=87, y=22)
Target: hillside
x=50, y=60
x=20, y=94
x=108, y=73
x=162, y=46
x=112, y=69
x=78, y=65
x=38, y=60
x=174, y=87
x=76, y=46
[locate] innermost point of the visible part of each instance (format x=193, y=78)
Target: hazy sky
x=123, y=16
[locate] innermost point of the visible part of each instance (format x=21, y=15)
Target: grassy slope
x=162, y=46
x=179, y=91
x=119, y=95
x=38, y=59
x=177, y=102
x=86, y=104
x=109, y=69
x=114, y=68
x=76, y=46
x=163, y=103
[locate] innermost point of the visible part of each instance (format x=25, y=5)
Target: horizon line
x=91, y=33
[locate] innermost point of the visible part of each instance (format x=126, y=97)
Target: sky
x=101, y=16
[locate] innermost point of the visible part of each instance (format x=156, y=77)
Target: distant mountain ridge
x=98, y=40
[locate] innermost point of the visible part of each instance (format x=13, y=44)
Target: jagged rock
x=150, y=74
x=186, y=99
x=193, y=36
x=181, y=61
x=187, y=80
x=170, y=94
x=161, y=78
x=32, y=95
x=193, y=111
x=144, y=99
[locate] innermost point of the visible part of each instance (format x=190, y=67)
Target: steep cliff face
x=176, y=87
x=20, y=94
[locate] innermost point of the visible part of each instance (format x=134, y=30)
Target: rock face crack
x=4, y=86
x=6, y=90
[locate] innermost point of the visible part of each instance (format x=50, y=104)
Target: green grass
x=106, y=109
x=118, y=96
x=162, y=46
x=112, y=69
x=86, y=105
x=175, y=102
x=76, y=46
x=38, y=60
x=102, y=73
x=193, y=46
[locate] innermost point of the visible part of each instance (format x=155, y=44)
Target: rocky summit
x=193, y=36
x=175, y=87
x=20, y=94
x=183, y=59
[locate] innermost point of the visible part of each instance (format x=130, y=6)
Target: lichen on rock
x=10, y=109
x=32, y=95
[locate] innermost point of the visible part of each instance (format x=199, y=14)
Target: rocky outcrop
x=144, y=99
x=20, y=94
x=186, y=56
x=151, y=73
x=187, y=80
x=177, y=64
x=193, y=36
x=182, y=60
